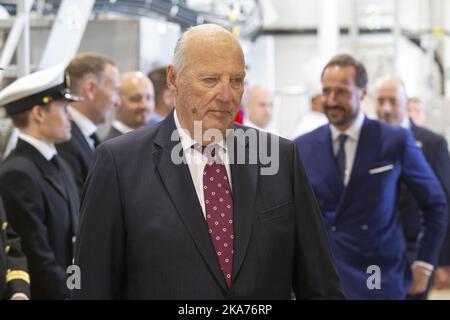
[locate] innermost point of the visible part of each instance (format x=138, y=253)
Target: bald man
x=392, y=107
x=258, y=106
x=136, y=104
x=164, y=219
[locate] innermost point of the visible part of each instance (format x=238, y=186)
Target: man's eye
x=136, y=98
x=237, y=82
x=209, y=80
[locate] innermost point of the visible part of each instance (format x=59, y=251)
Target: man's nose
x=386, y=106
x=225, y=94
x=330, y=99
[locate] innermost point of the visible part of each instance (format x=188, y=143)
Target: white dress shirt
x=350, y=145
x=196, y=161
x=47, y=150
x=121, y=127
x=85, y=124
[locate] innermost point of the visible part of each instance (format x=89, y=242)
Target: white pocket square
x=381, y=169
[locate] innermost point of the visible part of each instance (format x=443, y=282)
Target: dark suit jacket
x=143, y=234
x=11, y=258
x=112, y=133
x=78, y=154
x=361, y=219
x=42, y=208
x=435, y=150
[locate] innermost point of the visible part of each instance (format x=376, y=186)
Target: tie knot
x=95, y=138
x=208, y=151
x=54, y=160
x=342, y=139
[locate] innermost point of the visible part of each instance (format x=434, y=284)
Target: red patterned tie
x=219, y=211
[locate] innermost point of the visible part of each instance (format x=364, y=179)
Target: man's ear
x=171, y=79
x=90, y=87
x=37, y=114
x=363, y=93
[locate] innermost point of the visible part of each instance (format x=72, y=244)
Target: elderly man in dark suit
x=38, y=192
x=163, y=219
x=392, y=102
x=355, y=165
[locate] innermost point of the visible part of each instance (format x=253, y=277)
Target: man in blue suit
x=206, y=227
x=355, y=166
x=392, y=104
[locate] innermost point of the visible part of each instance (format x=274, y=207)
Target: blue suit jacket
x=361, y=219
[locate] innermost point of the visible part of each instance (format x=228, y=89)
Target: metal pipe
x=14, y=38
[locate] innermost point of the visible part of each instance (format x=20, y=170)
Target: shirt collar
x=186, y=140
x=352, y=132
x=122, y=127
x=85, y=124
x=47, y=150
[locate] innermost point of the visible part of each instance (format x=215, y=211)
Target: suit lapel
x=73, y=200
x=49, y=172
x=328, y=168
x=178, y=183
x=366, y=154
x=78, y=136
x=244, y=183
x=53, y=179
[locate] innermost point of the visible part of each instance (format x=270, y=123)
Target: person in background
x=136, y=104
x=313, y=118
x=163, y=97
x=258, y=106
x=38, y=192
x=355, y=166
x=96, y=79
x=14, y=279
x=392, y=107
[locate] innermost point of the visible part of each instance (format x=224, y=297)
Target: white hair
x=178, y=58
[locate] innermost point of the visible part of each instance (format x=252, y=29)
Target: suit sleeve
x=25, y=210
x=427, y=190
x=315, y=275
x=17, y=277
x=441, y=168
x=100, y=247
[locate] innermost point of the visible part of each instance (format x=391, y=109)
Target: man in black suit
x=160, y=219
x=14, y=277
x=136, y=104
x=95, y=78
x=38, y=192
x=392, y=102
